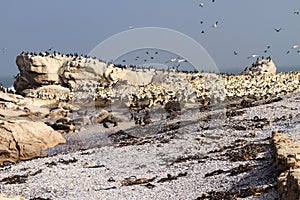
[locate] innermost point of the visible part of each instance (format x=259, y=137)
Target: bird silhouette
x=296, y=12
x=293, y=47
x=235, y=53
x=216, y=24
x=277, y=29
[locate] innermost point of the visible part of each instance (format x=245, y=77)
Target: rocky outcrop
x=23, y=140
x=263, y=66
x=24, y=135
x=288, y=164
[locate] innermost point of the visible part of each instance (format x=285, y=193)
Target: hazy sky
x=245, y=26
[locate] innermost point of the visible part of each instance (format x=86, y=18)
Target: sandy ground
x=190, y=157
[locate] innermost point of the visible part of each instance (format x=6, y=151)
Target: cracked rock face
x=288, y=163
x=23, y=133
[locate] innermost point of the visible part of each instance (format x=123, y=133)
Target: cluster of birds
x=178, y=61
x=278, y=29
x=149, y=56
x=215, y=25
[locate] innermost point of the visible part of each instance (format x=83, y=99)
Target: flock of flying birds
x=215, y=25
x=177, y=61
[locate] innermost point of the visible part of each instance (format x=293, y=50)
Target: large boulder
x=23, y=140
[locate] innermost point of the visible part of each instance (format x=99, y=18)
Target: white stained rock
x=263, y=66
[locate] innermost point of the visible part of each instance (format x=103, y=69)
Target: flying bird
x=216, y=24
x=253, y=56
x=277, y=29
x=172, y=60
x=235, y=53
x=181, y=60
x=202, y=31
x=201, y=22
x=201, y=5
x=293, y=47
x=4, y=50
x=296, y=12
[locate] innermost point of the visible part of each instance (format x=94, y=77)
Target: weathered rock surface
x=4, y=197
x=264, y=66
x=23, y=140
x=24, y=135
x=288, y=163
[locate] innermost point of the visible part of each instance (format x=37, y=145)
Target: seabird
x=172, y=60
x=201, y=22
x=181, y=60
x=268, y=47
x=201, y=5
x=235, y=53
x=253, y=56
x=216, y=24
x=202, y=31
x=265, y=51
x=296, y=12
x=50, y=49
x=293, y=47
x=277, y=29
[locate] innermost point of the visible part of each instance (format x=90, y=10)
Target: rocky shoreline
x=116, y=132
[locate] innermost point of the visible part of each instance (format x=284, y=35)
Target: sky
x=246, y=27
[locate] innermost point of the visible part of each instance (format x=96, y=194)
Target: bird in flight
x=235, y=53
x=293, y=47
x=201, y=5
x=296, y=12
x=181, y=60
x=253, y=56
x=202, y=31
x=277, y=29
x=216, y=24
x=4, y=50
x=172, y=60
